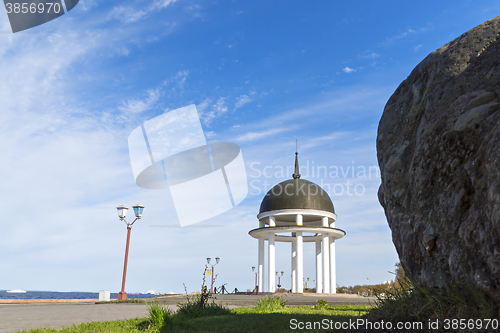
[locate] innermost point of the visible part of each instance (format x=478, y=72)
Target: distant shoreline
x=63, y=295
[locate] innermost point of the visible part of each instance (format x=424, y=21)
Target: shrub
x=270, y=304
x=322, y=304
x=158, y=315
x=192, y=309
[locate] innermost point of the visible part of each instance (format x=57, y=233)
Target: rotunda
x=298, y=211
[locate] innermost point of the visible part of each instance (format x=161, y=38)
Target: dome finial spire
x=296, y=174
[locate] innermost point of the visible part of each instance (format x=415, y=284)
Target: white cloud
x=87, y=4
x=242, y=100
x=139, y=106
x=127, y=14
x=203, y=105
x=348, y=70
x=123, y=51
x=130, y=14
x=193, y=7
x=251, y=136
x=371, y=55
x=159, y=4
x=179, y=79
x=64, y=155
x=405, y=34
x=346, y=101
x=208, y=111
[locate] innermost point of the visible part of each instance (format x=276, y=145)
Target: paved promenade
x=50, y=314
x=16, y=317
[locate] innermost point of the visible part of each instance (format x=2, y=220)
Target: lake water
x=63, y=295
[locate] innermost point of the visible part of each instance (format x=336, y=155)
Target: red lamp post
x=122, y=212
x=279, y=278
x=217, y=259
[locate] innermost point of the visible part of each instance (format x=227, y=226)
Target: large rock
x=438, y=148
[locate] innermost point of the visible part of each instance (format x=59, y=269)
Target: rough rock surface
x=438, y=148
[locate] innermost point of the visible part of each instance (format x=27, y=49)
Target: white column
x=272, y=264
x=294, y=262
x=272, y=257
x=333, y=274
x=300, y=256
x=260, y=269
x=300, y=263
x=326, y=259
x=298, y=220
x=319, y=273
x=272, y=221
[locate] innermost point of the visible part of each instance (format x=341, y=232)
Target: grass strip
x=243, y=319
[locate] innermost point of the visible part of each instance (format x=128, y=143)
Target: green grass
x=250, y=319
x=129, y=326
x=453, y=301
x=337, y=311
x=269, y=304
x=244, y=319
x=408, y=303
x=158, y=315
x=192, y=310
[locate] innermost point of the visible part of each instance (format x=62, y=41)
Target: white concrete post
x=326, y=259
x=300, y=256
x=298, y=220
x=294, y=262
x=260, y=268
x=272, y=263
x=272, y=221
x=333, y=274
x=300, y=263
x=319, y=273
x=324, y=221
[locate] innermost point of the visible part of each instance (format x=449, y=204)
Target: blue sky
x=261, y=74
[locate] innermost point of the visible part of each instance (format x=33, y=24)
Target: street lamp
x=279, y=279
x=122, y=212
x=253, y=270
x=217, y=259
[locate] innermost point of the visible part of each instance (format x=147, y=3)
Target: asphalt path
x=17, y=317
